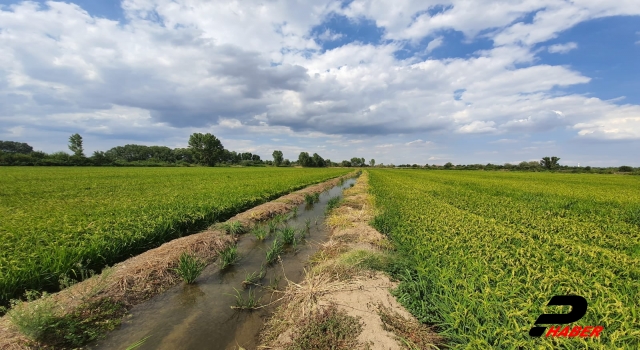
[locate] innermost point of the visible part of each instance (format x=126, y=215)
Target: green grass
x=40, y=320
x=276, y=249
x=233, y=228
x=189, y=267
x=229, y=257
x=288, y=234
x=333, y=203
x=260, y=232
x=486, y=251
x=53, y=218
x=248, y=302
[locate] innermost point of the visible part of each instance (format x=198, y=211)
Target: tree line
x=203, y=149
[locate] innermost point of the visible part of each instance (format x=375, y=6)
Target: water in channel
x=199, y=316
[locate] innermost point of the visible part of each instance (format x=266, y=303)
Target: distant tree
x=15, y=147
x=317, y=161
x=256, y=158
x=372, y=163
x=345, y=163
x=101, y=158
x=327, y=162
x=304, y=159
x=277, y=157
x=355, y=161
x=550, y=162
x=286, y=162
x=206, y=148
x=75, y=145
x=625, y=169
x=183, y=155
x=448, y=165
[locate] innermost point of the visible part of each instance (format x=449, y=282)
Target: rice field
x=54, y=218
x=490, y=249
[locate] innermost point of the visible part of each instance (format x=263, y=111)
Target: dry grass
x=412, y=334
x=342, y=275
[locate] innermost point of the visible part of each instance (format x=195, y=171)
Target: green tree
x=317, y=161
x=550, y=162
x=372, y=163
x=15, y=147
x=304, y=159
x=75, y=145
x=448, y=165
x=278, y=157
x=206, y=148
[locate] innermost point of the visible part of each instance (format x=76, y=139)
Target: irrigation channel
x=199, y=316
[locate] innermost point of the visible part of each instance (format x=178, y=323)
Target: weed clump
x=261, y=233
x=333, y=203
x=34, y=316
x=228, y=257
x=310, y=199
x=38, y=319
x=254, y=278
x=246, y=303
x=233, y=228
x=288, y=235
x=189, y=267
x=274, y=251
x=327, y=329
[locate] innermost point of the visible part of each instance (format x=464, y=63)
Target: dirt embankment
x=344, y=303
x=141, y=277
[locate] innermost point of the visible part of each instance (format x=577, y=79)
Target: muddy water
x=200, y=316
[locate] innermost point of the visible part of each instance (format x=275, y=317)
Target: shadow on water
x=200, y=316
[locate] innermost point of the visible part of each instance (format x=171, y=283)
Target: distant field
x=52, y=218
x=492, y=248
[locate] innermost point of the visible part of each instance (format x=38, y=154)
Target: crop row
x=55, y=218
x=490, y=250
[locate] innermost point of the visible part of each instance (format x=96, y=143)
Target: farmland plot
x=491, y=249
x=54, y=218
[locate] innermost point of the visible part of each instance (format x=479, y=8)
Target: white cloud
x=562, y=48
x=254, y=67
x=328, y=35
x=434, y=44
x=478, y=127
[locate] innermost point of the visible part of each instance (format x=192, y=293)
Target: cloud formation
x=174, y=66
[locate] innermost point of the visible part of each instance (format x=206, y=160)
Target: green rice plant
x=274, y=282
x=309, y=199
x=307, y=226
x=189, y=267
x=274, y=252
x=476, y=241
x=261, y=232
x=254, y=278
x=316, y=197
x=233, y=228
x=138, y=344
x=288, y=234
x=294, y=212
x=272, y=226
x=109, y=214
x=228, y=257
x=248, y=302
x=333, y=203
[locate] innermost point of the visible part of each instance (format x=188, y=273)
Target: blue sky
x=408, y=82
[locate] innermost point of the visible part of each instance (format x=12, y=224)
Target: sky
x=425, y=82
